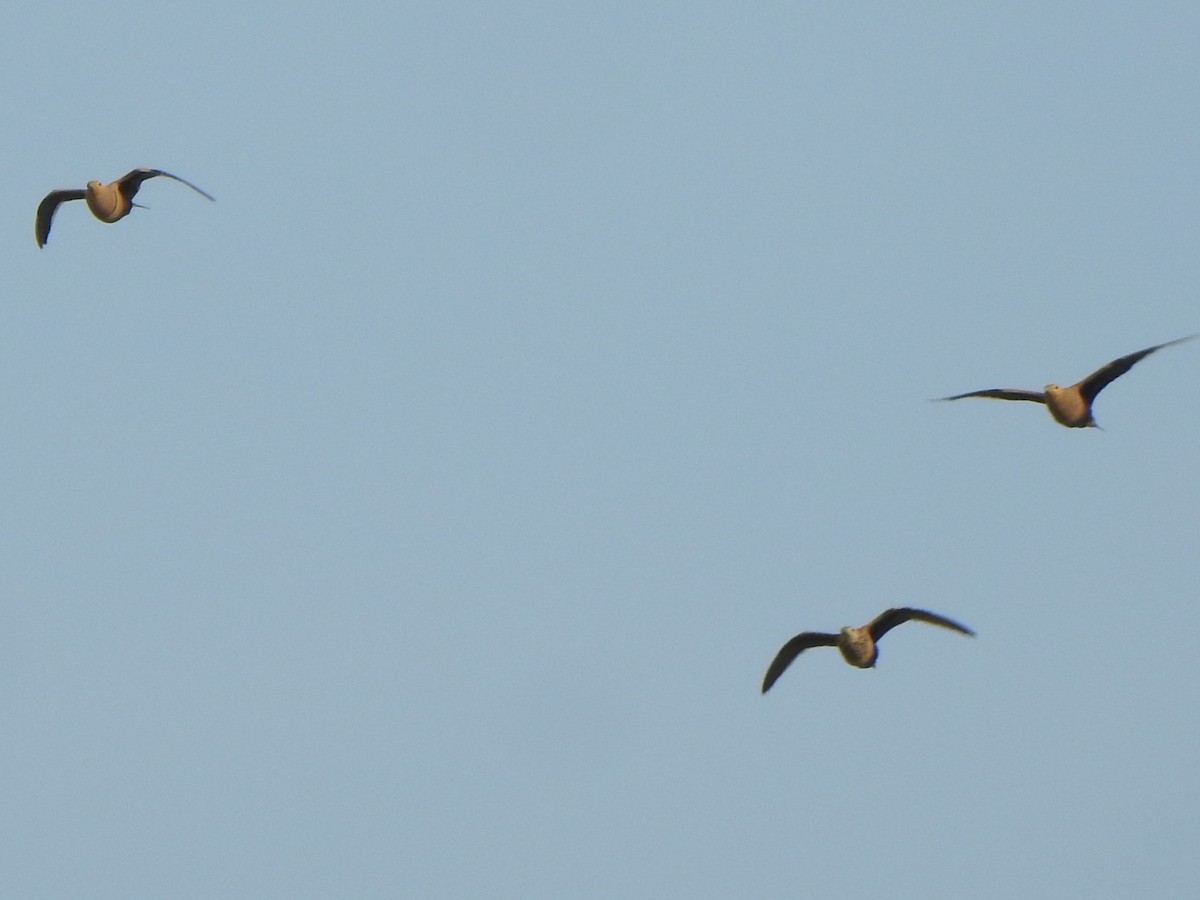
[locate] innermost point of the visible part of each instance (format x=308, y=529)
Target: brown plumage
x=108, y=202
x=857, y=645
x=1072, y=406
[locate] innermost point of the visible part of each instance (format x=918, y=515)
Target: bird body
x=858, y=646
x=108, y=202
x=1068, y=407
x=1072, y=406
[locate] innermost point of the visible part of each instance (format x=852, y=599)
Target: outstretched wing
x=791, y=650
x=886, y=621
x=1002, y=394
x=45, y=212
x=129, y=184
x=1102, y=378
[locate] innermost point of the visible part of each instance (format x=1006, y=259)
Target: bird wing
x=1003, y=394
x=793, y=648
x=45, y=212
x=1103, y=377
x=886, y=621
x=129, y=184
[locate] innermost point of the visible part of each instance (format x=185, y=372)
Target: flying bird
x=108, y=202
x=1072, y=406
x=857, y=645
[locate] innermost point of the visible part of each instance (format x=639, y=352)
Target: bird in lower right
x=858, y=646
x=1072, y=406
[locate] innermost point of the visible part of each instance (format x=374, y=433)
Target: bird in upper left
x=108, y=202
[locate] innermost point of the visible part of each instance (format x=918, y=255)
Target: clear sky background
x=418, y=519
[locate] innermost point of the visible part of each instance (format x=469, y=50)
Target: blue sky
x=418, y=519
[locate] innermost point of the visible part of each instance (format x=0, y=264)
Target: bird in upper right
x=1072, y=406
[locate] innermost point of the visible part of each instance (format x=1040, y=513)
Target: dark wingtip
x=771, y=677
